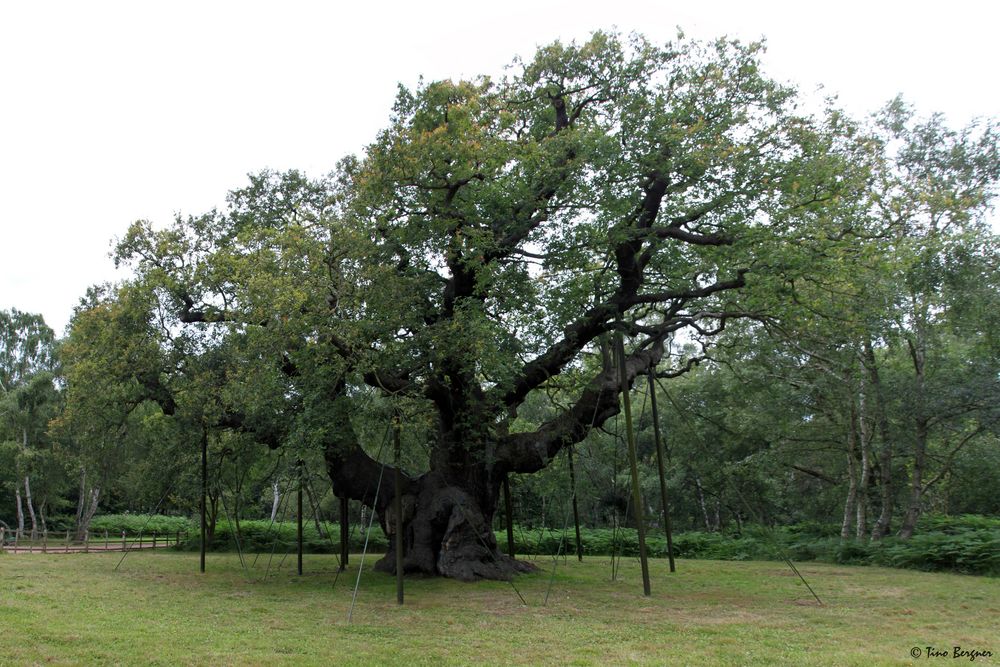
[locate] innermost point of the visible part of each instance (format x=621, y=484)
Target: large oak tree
x=477, y=253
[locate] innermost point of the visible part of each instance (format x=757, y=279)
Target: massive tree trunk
x=448, y=511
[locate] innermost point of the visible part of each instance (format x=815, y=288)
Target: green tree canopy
x=476, y=254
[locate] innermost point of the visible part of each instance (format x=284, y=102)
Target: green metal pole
x=298, y=521
x=510, y=515
x=576, y=511
x=344, y=534
x=204, y=493
x=397, y=502
x=634, y=465
x=660, y=469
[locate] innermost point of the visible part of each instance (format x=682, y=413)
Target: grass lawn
x=157, y=609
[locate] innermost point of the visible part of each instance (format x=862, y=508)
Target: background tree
x=28, y=399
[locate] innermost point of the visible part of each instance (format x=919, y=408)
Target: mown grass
x=158, y=609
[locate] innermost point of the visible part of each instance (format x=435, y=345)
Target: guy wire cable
x=555, y=563
x=267, y=533
x=149, y=517
x=784, y=556
x=364, y=552
x=378, y=457
x=236, y=536
x=510, y=580
x=283, y=506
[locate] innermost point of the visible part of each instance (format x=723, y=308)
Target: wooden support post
x=67, y=541
x=154, y=539
x=140, y=540
x=86, y=541
x=105, y=539
x=204, y=495
x=509, y=511
x=660, y=466
x=634, y=466
x=124, y=546
x=344, y=533
x=298, y=525
x=45, y=540
x=576, y=511
x=397, y=503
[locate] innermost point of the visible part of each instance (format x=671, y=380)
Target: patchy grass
x=157, y=609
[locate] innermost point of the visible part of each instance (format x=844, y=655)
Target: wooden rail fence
x=64, y=544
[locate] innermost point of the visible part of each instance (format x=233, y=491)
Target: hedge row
x=968, y=545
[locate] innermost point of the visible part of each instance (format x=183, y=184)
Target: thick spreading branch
x=532, y=451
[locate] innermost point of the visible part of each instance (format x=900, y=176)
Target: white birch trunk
x=277, y=499
x=20, y=514
x=31, y=508
x=88, y=514
x=82, y=498
x=864, y=441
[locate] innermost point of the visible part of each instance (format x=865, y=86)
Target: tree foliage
x=463, y=274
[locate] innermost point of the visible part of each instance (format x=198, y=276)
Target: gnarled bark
x=447, y=513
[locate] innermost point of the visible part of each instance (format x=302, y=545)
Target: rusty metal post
x=634, y=466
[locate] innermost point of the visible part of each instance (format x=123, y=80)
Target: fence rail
x=64, y=543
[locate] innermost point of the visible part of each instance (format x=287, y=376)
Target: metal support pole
x=660, y=469
x=634, y=465
x=344, y=533
x=298, y=521
x=204, y=494
x=397, y=503
x=509, y=511
x=576, y=511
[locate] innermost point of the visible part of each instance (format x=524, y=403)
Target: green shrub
x=967, y=544
x=262, y=536
x=965, y=551
x=147, y=524
x=942, y=523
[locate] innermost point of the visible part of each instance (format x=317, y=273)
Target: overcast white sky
x=116, y=111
